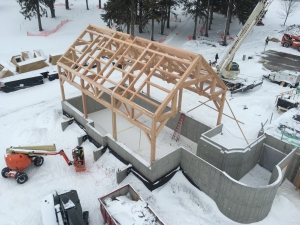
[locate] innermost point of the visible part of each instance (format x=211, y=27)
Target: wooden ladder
x=176, y=134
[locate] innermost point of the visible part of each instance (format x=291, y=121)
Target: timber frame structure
x=130, y=68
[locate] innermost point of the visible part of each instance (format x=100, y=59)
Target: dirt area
x=276, y=61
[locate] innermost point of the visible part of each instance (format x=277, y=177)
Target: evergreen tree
x=32, y=8
x=244, y=8
x=50, y=4
x=117, y=11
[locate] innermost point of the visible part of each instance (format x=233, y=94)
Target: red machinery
x=291, y=40
x=19, y=158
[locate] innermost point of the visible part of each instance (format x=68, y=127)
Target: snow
x=32, y=117
x=127, y=211
x=256, y=177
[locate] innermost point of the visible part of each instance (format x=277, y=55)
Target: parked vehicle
x=291, y=40
x=285, y=77
x=63, y=208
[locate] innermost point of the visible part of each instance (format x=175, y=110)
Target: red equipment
x=19, y=158
x=291, y=40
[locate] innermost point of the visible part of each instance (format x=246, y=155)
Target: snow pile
x=127, y=211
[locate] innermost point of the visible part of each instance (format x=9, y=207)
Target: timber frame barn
x=128, y=68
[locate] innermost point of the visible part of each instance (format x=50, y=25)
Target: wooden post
x=85, y=112
x=114, y=119
x=153, y=141
x=62, y=90
x=221, y=109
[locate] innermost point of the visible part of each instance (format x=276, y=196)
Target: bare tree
x=288, y=8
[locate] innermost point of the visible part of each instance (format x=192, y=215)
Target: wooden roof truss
x=103, y=61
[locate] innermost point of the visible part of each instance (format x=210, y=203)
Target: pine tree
x=195, y=8
x=32, y=8
x=50, y=4
x=117, y=11
x=244, y=8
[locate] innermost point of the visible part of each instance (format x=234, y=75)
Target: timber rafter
x=105, y=62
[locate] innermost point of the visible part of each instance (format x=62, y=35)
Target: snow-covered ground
x=32, y=117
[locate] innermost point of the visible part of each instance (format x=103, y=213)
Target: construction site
x=127, y=70
x=150, y=133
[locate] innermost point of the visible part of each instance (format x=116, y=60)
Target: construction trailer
x=289, y=40
x=121, y=196
x=285, y=78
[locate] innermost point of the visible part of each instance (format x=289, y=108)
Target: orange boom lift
x=19, y=158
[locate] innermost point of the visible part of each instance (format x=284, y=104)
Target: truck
x=229, y=70
x=289, y=40
x=285, y=78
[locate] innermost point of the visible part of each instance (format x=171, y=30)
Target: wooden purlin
x=143, y=62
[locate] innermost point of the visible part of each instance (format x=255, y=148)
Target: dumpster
x=125, y=206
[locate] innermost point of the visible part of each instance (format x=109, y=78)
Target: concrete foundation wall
x=91, y=104
x=77, y=114
x=191, y=129
x=270, y=157
x=278, y=144
x=237, y=201
x=235, y=162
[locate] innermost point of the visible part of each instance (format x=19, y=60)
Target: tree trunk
x=226, y=31
x=196, y=19
x=87, y=5
x=207, y=18
x=99, y=4
x=67, y=4
x=52, y=11
x=152, y=29
x=211, y=14
x=169, y=14
x=285, y=19
x=140, y=16
x=132, y=22
x=39, y=15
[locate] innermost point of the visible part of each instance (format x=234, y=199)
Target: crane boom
x=224, y=65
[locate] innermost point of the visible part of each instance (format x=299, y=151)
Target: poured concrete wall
x=278, y=144
x=235, y=162
x=191, y=129
x=77, y=114
x=235, y=200
x=270, y=157
x=91, y=104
